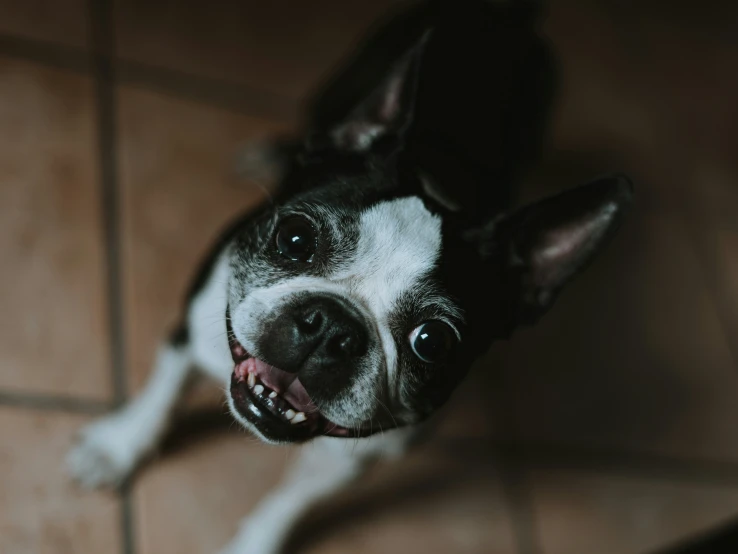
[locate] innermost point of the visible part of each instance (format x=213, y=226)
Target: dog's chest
x=206, y=321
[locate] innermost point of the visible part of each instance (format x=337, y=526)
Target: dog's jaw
x=274, y=404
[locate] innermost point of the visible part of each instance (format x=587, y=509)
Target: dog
x=390, y=258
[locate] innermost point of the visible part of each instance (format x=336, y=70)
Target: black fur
x=448, y=103
x=723, y=540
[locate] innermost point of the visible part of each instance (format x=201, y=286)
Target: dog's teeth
x=299, y=418
x=273, y=394
x=258, y=389
x=252, y=380
x=289, y=414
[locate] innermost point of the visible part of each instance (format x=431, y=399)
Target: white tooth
x=258, y=389
x=273, y=394
x=252, y=380
x=299, y=418
x=289, y=414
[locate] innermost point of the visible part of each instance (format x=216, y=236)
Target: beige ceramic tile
x=41, y=511
x=715, y=196
x=645, y=91
x=472, y=414
x=192, y=500
x=53, y=327
x=179, y=191
x=633, y=356
x=726, y=271
x=283, y=46
x=436, y=500
x=59, y=21
x=585, y=513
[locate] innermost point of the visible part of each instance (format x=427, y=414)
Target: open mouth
x=276, y=402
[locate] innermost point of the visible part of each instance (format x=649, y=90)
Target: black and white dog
x=388, y=261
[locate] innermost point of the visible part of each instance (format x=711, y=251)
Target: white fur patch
x=399, y=243
x=208, y=338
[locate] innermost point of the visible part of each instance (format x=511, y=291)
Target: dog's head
x=359, y=300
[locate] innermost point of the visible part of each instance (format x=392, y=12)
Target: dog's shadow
x=394, y=489
x=195, y=425
x=605, y=404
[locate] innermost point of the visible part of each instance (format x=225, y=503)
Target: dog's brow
x=398, y=244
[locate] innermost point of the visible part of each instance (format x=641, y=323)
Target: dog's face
x=342, y=312
x=358, y=303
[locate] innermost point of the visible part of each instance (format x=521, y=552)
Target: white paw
x=104, y=455
x=255, y=541
x=239, y=548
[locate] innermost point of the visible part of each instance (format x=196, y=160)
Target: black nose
x=319, y=333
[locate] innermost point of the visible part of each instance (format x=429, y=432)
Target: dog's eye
x=432, y=341
x=296, y=239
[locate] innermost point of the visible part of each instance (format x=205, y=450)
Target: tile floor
x=610, y=428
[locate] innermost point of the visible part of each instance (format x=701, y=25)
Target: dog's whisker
x=267, y=193
x=382, y=404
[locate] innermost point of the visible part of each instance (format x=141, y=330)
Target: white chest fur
x=207, y=324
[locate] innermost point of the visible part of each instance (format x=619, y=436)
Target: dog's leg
x=324, y=467
x=316, y=475
x=110, y=448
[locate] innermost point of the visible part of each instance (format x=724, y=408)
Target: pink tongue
x=299, y=398
x=286, y=384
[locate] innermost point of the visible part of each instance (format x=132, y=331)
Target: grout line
x=100, y=18
x=215, y=92
x=643, y=465
x=219, y=93
x=698, y=229
x=567, y=457
x=673, y=469
x=54, y=403
x=105, y=94
x=708, y=257
x=45, y=53
x=720, y=538
x=127, y=522
x=516, y=487
x=518, y=497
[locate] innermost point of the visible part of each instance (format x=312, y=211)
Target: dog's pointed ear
x=387, y=111
x=539, y=248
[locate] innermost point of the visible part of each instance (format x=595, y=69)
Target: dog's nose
x=319, y=333
x=335, y=332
